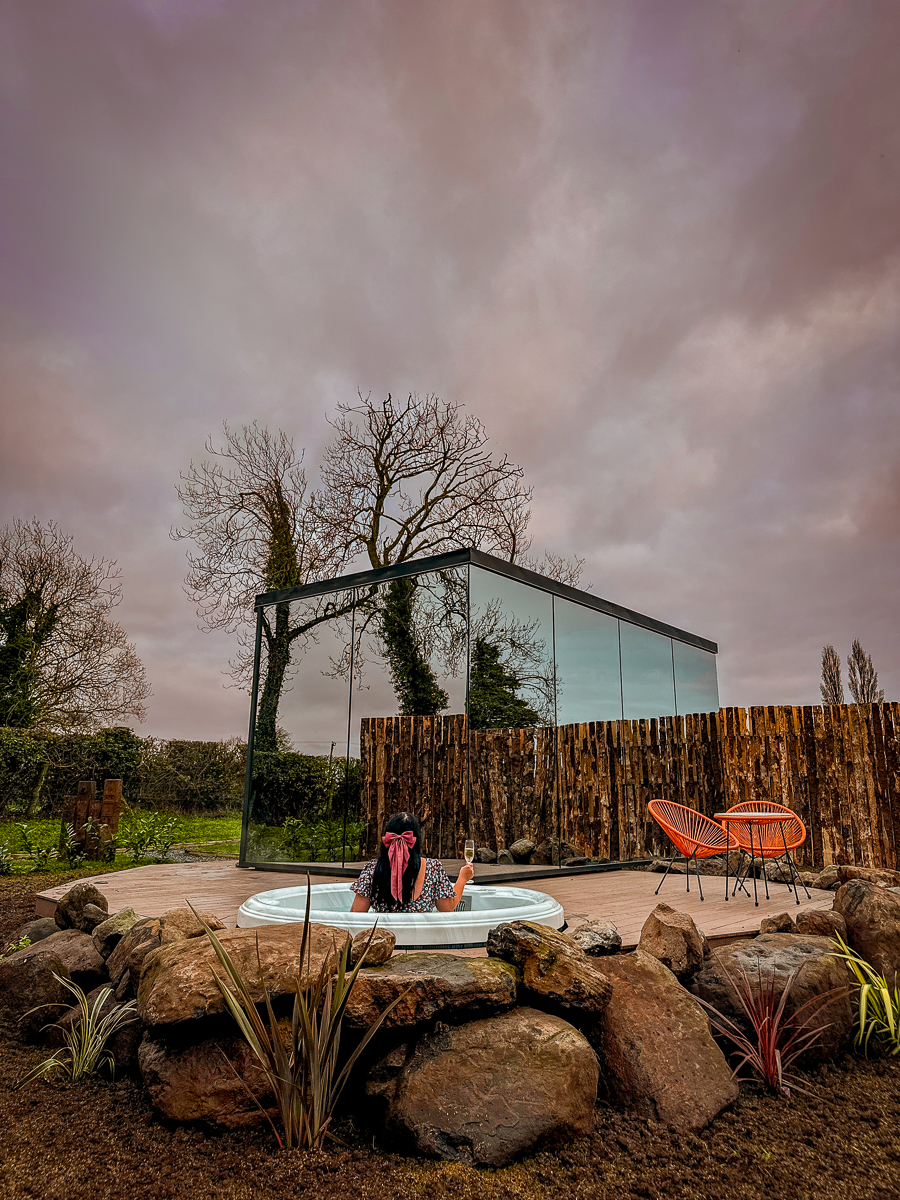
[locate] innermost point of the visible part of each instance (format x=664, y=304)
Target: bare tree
x=405, y=479
x=64, y=665
x=398, y=481
x=402, y=480
x=863, y=678
x=832, y=686
x=255, y=531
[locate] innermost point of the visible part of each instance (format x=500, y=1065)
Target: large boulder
x=522, y=849
x=773, y=957
x=872, y=916
x=37, y=930
x=656, y=1052
x=83, y=964
x=489, y=1091
x=833, y=876
x=218, y=1081
x=124, y=1043
x=673, y=939
x=126, y=961
x=70, y=910
x=28, y=983
x=374, y=945
x=597, y=938
x=484, y=854
x=178, y=980
x=432, y=986
x=556, y=974
x=877, y=875
x=127, y=958
x=552, y=853
x=178, y=924
x=780, y=923
x=821, y=923
x=110, y=932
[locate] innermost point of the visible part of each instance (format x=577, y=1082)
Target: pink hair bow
x=398, y=848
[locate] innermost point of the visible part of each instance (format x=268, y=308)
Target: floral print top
x=436, y=887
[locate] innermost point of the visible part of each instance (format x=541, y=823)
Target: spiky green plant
x=878, y=1005
x=300, y=1066
x=86, y=1038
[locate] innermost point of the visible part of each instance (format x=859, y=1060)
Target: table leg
x=726, y=858
x=755, y=894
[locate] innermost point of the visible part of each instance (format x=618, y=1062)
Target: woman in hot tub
x=401, y=880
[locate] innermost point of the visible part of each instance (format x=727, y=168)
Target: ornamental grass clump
x=878, y=1004
x=300, y=1065
x=87, y=1038
x=775, y=1041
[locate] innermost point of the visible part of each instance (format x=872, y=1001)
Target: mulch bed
x=98, y=1139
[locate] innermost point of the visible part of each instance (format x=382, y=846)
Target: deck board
x=624, y=897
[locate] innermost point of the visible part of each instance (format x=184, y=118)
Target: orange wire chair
x=769, y=841
x=691, y=833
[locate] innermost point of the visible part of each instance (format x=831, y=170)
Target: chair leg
x=791, y=868
x=697, y=869
x=668, y=869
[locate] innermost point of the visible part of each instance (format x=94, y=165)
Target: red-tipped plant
x=775, y=1041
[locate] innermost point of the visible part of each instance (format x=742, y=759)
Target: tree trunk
x=278, y=655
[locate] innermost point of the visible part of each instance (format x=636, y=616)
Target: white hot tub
x=465, y=928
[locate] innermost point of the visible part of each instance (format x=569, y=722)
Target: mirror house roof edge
x=498, y=566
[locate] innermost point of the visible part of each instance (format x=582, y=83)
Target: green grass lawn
x=223, y=832
x=187, y=829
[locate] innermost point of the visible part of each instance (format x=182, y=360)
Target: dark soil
x=17, y=893
x=97, y=1140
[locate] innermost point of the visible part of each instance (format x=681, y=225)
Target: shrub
x=775, y=1041
x=23, y=768
x=86, y=1039
x=39, y=850
x=287, y=784
x=146, y=835
x=107, y=754
x=320, y=841
x=878, y=1006
x=192, y=777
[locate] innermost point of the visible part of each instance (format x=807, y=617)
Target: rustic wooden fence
x=838, y=767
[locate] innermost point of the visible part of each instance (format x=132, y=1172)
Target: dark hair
x=381, y=878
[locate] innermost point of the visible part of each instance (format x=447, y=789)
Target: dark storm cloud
x=654, y=246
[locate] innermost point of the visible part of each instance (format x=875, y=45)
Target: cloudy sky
x=655, y=246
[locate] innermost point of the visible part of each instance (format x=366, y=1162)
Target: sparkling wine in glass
x=469, y=850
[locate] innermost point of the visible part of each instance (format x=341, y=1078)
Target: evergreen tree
x=494, y=702
x=863, y=677
x=831, y=687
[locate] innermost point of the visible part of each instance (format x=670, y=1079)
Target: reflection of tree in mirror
x=415, y=684
x=494, y=700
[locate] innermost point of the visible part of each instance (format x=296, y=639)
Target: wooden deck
x=624, y=897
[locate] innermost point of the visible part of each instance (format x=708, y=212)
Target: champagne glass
x=469, y=850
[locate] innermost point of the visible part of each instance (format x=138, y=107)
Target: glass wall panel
x=300, y=781
x=696, y=684
x=511, y=671
x=648, y=683
x=410, y=662
x=588, y=678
